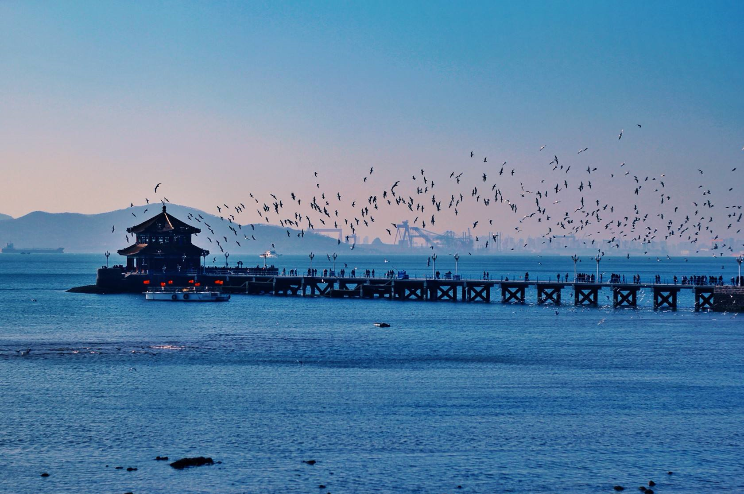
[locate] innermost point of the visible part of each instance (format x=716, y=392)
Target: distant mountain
x=4, y=217
x=92, y=233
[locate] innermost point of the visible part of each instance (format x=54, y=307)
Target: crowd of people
x=697, y=280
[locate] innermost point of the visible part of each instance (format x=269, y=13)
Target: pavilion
x=163, y=244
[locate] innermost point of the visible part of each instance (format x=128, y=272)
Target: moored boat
x=186, y=295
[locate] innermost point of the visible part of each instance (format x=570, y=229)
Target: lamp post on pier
x=227, y=254
x=739, y=260
x=457, y=259
x=334, y=256
x=311, y=256
x=434, y=265
x=597, y=258
x=107, y=254
x=575, y=259
x=204, y=256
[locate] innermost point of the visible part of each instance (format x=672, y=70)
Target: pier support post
x=549, y=293
x=410, y=290
x=586, y=295
x=703, y=298
x=511, y=292
x=665, y=297
x=479, y=291
x=442, y=291
x=625, y=296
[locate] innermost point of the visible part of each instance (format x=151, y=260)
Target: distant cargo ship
x=11, y=249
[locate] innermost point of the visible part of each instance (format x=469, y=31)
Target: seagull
x=156, y=187
x=582, y=150
x=542, y=147
x=620, y=136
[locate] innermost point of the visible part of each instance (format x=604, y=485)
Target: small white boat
x=269, y=254
x=186, y=295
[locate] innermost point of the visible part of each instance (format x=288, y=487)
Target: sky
x=99, y=101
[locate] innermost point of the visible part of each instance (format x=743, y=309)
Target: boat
x=11, y=249
x=186, y=295
x=269, y=254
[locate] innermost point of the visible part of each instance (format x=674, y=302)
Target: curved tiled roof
x=162, y=223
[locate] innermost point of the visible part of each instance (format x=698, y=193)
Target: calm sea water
x=492, y=398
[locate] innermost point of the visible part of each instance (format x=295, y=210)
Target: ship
x=11, y=249
x=191, y=294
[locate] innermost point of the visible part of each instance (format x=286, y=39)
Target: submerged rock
x=161, y=458
x=45, y=474
x=619, y=488
x=309, y=462
x=192, y=462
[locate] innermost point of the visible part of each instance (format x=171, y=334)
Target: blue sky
x=100, y=100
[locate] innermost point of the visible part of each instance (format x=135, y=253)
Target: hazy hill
x=4, y=217
x=92, y=233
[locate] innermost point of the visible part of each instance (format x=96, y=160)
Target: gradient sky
x=101, y=100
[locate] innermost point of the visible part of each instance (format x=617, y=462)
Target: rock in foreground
x=191, y=462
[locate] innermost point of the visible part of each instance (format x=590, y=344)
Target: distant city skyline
x=102, y=101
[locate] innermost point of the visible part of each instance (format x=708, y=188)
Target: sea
x=307, y=395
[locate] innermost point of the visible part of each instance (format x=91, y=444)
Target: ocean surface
x=453, y=397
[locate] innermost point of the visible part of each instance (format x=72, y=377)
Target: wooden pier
x=623, y=295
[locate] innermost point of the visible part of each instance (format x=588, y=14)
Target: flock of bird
x=566, y=201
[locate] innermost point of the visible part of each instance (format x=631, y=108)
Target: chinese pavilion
x=163, y=244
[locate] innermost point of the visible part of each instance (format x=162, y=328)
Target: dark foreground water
x=493, y=398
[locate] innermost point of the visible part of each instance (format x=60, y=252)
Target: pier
x=585, y=293
x=164, y=256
